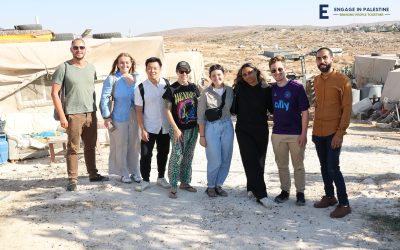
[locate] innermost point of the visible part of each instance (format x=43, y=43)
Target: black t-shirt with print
x=184, y=104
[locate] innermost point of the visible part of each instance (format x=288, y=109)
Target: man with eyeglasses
x=78, y=112
x=289, y=133
x=332, y=118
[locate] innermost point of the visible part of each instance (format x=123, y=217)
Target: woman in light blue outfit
x=122, y=123
x=216, y=130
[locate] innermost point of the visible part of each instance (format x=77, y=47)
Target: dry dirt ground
x=37, y=213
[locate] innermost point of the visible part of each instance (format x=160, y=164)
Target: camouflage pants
x=180, y=161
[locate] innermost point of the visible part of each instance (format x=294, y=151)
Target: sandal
x=172, y=194
x=188, y=188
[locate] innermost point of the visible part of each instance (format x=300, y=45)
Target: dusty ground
x=37, y=213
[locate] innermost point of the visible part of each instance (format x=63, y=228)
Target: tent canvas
x=24, y=63
x=195, y=60
x=391, y=89
x=373, y=69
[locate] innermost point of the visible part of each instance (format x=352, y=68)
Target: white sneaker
x=163, y=183
x=250, y=194
x=136, y=178
x=267, y=202
x=143, y=185
x=126, y=179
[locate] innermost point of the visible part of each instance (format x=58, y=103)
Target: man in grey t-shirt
x=78, y=116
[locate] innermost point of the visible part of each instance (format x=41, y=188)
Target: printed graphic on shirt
x=186, y=110
x=284, y=103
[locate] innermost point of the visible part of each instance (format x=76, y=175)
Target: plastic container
x=373, y=91
x=362, y=106
x=3, y=148
x=356, y=95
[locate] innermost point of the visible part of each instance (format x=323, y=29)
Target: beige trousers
x=283, y=145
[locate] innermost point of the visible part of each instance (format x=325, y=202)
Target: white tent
x=195, y=60
x=24, y=67
x=391, y=89
x=373, y=69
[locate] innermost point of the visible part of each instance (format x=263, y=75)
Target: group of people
x=175, y=115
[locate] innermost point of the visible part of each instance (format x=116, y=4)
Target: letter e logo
x=322, y=11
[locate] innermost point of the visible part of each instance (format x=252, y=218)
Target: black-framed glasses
x=247, y=74
x=78, y=47
x=280, y=70
x=183, y=72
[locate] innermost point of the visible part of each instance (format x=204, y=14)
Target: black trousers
x=253, y=150
x=146, y=153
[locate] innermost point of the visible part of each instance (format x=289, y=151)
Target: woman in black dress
x=253, y=100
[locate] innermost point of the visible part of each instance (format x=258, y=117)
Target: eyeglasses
x=78, y=47
x=247, y=74
x=273, y=71
x=183, y=72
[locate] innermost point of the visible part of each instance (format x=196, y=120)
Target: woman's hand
x=202, y=141
x=177, y=135
x=107, y=122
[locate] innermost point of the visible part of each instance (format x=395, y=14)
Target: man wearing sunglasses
x=78, y=112
x=289, y=133
x=332, y=118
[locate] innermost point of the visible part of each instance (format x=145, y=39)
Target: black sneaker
x=72, y=186
x=284, y=196
x=99, y=177
x=300, y=199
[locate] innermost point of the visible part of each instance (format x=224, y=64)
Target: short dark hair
x=215, y=67
x=276, y=59
x=325, y=48
x=153, y=59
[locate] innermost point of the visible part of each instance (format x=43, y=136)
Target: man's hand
x=145, y=135
x=64, y=122
x=302, y=140
x=336, y=141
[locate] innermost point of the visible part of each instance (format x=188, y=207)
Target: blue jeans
x=219, y=139
x=330, y=169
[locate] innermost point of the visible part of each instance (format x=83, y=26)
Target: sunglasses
x=78, y=47
x=273, y=71
x=183, y=72
x=247, y=74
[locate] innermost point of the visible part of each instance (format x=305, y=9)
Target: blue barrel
x=3, y=148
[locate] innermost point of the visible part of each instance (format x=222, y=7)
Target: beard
x=325, y=69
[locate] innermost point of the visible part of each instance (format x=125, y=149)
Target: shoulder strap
x=141, y=90
x=63, y=82
x=113, y=87
x=223, y=100
x=167, y=84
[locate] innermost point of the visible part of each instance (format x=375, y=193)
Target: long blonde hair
x=114, y=67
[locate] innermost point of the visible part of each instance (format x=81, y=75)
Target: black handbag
x=216, y=113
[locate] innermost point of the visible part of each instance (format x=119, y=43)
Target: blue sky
x=133, y=17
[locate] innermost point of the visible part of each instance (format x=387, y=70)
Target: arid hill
x=233, y=46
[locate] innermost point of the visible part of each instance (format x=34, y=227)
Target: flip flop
x=188, y=188
x=172, y=195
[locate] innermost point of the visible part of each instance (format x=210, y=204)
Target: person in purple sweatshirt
x=289, y=133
